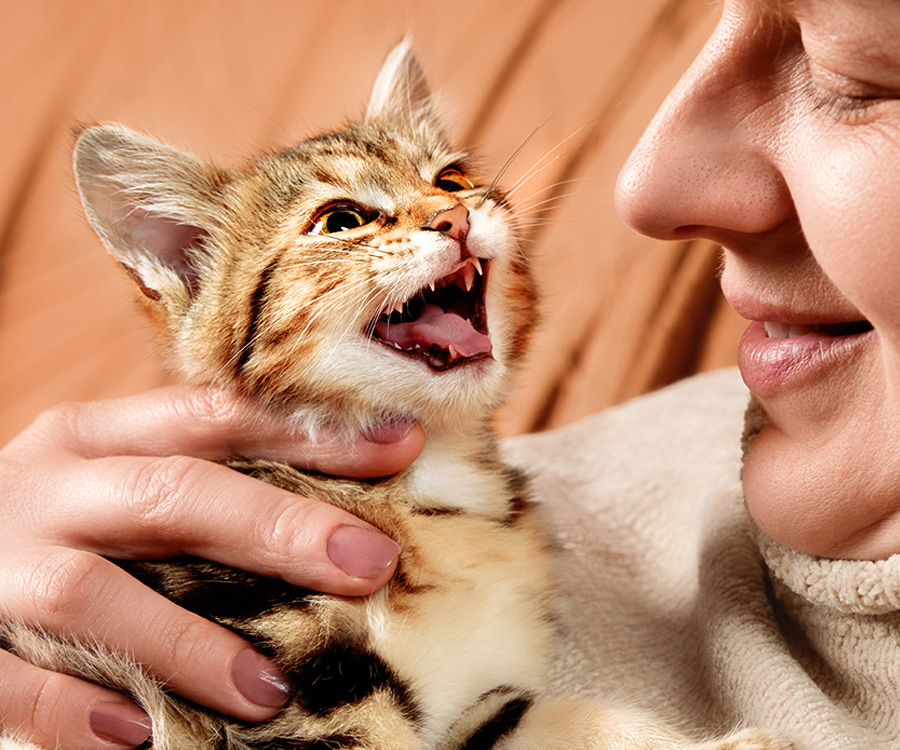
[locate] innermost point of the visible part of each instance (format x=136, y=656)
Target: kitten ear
x=401, y=90
x=151, y=204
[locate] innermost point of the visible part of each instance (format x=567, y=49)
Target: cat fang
x=444, y=324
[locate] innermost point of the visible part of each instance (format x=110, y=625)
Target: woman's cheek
x=849, y=207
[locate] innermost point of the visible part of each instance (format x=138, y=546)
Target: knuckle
x=48, y=693
x=188, y=643
x=61, y=421
x=292, y=523
x=216, y=407
x=160, y=489
x=60, y=582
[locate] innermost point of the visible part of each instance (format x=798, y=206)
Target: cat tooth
x=398, y=308
x=453, y=353
x=468, y=274
x=431, y=284
x=477, y=263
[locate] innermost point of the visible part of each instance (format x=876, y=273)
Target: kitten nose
x=453, y=222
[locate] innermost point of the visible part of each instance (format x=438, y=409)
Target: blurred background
x=561, y=89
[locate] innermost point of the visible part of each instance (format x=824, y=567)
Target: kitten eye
x=452, y=180
x=339, y=218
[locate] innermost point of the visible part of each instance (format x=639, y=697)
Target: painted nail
x=388, y=432
x=259, y=679
x=361, y=553
x=121, y=723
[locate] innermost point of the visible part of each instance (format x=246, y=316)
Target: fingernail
x=120, y=722
x=388, y=432
x=259, y=679
x=361, y=553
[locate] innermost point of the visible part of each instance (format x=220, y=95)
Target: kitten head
x=362, y=274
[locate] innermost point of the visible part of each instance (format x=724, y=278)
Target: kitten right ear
x=401, y=90
x=152, y=205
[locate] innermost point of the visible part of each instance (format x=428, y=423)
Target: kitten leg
x=564, y=724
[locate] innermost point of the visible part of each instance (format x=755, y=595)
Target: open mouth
x=443, y=324
x=786, y=331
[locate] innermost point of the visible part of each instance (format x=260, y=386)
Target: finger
x=159, y=507
x=212, y=423
x=88, y=598
x=42, y=706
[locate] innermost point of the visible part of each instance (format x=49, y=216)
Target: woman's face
x=782, y=143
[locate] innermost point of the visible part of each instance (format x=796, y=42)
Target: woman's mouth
x=790, y=331
x=776, y=355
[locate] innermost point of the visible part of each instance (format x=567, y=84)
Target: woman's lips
x=774, y=356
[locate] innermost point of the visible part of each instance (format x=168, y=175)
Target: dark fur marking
x=331, y=742
x=518, y=507
x=436, y=511
x=519, y=504
x=400, y=583
x=323, y=176
x=145, y=290
x=502, y=723
x=340, y=674
x=216, y=591
x=257, y=301
x=376, y=151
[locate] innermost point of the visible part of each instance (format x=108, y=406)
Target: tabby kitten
x=361, y=276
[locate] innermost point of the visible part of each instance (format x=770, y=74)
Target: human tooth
x=786, y=331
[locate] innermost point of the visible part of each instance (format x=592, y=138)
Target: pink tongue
x=436, y=327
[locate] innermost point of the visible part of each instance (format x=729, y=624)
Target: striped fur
x=451, y=655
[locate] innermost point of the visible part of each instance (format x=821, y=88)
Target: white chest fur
x=481, y=616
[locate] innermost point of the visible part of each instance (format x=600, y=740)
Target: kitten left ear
x=401, y=90
x=152, y=206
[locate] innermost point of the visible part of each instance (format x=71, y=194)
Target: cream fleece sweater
x=673, y=601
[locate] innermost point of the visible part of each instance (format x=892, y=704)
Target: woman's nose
x=705, y=166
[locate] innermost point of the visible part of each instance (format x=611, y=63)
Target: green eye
x=452, y=180
x=338, y=218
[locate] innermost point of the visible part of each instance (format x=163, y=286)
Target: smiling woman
x=797, y=116
x=781, y=143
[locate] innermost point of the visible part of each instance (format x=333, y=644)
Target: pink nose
x=453, y=222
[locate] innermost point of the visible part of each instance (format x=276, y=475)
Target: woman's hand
x=135, y=478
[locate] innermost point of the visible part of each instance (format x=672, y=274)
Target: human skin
x=135, y=478
x=782, y=143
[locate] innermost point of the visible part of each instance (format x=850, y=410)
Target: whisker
x=542, y=163
x=518, y=150
x=509, y=161
x=353, y=244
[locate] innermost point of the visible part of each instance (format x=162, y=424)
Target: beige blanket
x=667, y=602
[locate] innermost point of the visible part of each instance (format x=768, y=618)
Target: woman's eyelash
x=834, y=104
